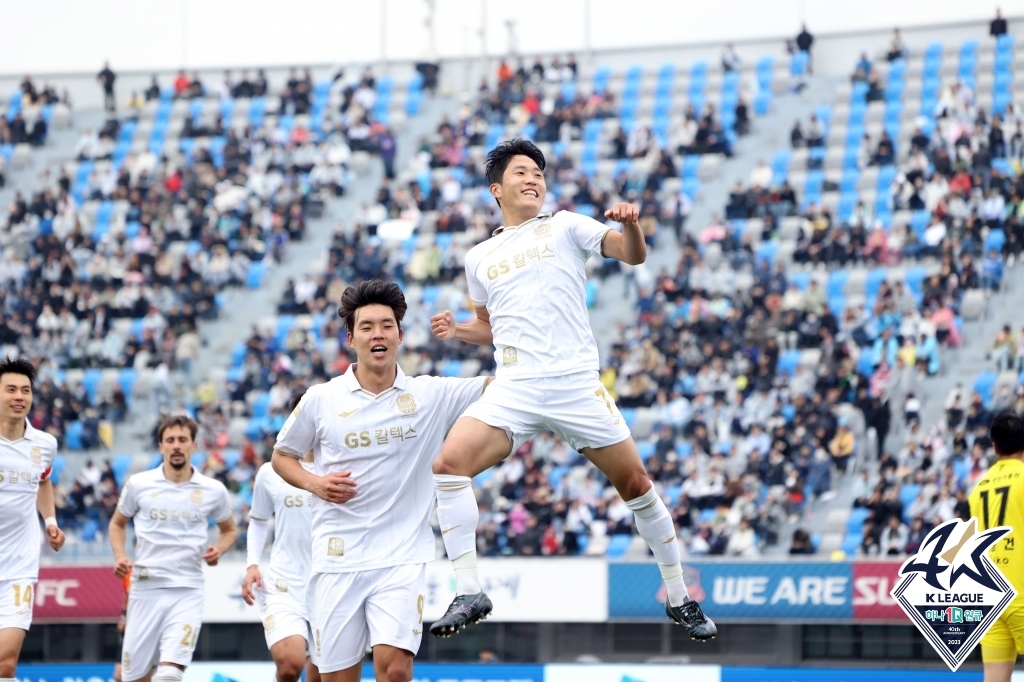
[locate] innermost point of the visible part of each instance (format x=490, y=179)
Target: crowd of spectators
x=83, y=255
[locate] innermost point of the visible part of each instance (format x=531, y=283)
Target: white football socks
x=458, y=514
x=168, y=673
x=655, y=526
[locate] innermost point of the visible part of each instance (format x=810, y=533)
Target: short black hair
x=1007, y=432
x=296, y=399
x=9, y=365
x=498, y=158
x=370, y=292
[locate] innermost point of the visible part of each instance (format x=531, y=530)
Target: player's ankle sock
x=168, y=673
x=468, y=582
x=458, y=514
x=655, y=526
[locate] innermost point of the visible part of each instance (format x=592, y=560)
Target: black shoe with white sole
x=689, y=614
x=466, y=609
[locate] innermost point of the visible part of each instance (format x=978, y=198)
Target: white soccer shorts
x=283, y=616
x=354, y=612
x=162, y=626
x=16, y=599
x=576, y=407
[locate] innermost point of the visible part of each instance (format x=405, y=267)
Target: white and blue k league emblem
x=952, y=590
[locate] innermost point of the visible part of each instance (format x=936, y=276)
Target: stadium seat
x=121, y=464
x=646, y=450
x=788, y=362
x=984, y=385
x=851, y=543
x=90, y=530
x=618, y=546
x=254, y=278
x=57, y=468
x=91, y=383
x=995, y=240
x=629, y=416
x=73, y=435
x=260, y=405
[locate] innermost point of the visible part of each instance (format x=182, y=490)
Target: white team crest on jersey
x=542, y=231
x=406, y=404
x=37, y=457
x=269, y=623
x=335, y=547
x=952, y=590
x=509, y=356
x=126, y=659
x=317, y=638
x=197, y=497
x=281, y=585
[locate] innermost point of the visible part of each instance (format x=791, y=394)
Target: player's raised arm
x=627, y=246
x=477, y=332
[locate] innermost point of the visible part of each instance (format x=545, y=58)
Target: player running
x=381, y=429
x=528, y=283
x=281, y=588
x=998, y=500
x=171, y=506
x=25, y=487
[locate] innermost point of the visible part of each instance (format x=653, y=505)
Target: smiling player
x=378, y=428
x=528, y=285
x=25, y=458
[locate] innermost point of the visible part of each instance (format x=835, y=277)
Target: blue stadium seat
x=690, y=165
x=430, y=295
x=629, y=416
x=57, y=468
x=995, y=240
x=851, y=543
x=909, y=493
x=91, y=383
x=90, y=529
x=126, y=377
x=762, y=102
x=73, y=435
x=837, y=282
x=766, y=253
x=984, y=385
x=602, y=76
x=618, y=546
x=254, y=278
x=798, y=63
x=452, y=368
x=238, y=354
x=800, y=279
x=646, y=449
x=260, y=405
x=788, y=362
x=121, y=464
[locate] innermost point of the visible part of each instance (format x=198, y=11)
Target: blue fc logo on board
x=952, y=590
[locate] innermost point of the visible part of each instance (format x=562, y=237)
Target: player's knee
x=635, y=485
x=289, y=670
x=398, y=672
x=7, y=666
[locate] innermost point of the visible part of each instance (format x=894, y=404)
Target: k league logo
x=952, y=591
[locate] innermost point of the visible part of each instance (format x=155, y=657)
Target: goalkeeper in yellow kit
x=998, y=500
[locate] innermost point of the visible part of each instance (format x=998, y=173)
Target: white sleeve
x=262, y=503
x=587, y=233
x=255, y=540
x=457, y=395
x=222, y=510
x=128, y=504
x=298, y=434
x=477, y=292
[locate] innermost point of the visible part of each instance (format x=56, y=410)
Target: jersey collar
x=191, y=479
x=29, y=434
x=353, y=385
x=501, y=229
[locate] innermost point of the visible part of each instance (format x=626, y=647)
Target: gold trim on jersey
x=509, y=356
x=335, y=547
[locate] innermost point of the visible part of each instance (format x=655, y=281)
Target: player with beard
x=171, y=506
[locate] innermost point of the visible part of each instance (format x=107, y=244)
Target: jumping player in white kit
x=528, y=284
x=26, y=456
x=171, y=506
x=280, y=588
x=374, y=432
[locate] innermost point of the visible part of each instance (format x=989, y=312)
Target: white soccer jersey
x=388, y=442
x=24, y=463
x=171, y=526
x=290, y=557
x=532, y=281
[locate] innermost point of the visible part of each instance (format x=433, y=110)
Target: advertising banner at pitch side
x=523, y=590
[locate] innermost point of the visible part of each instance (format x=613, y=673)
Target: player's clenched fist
x=123, y=567
x=443, y=325
x=624, y=213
